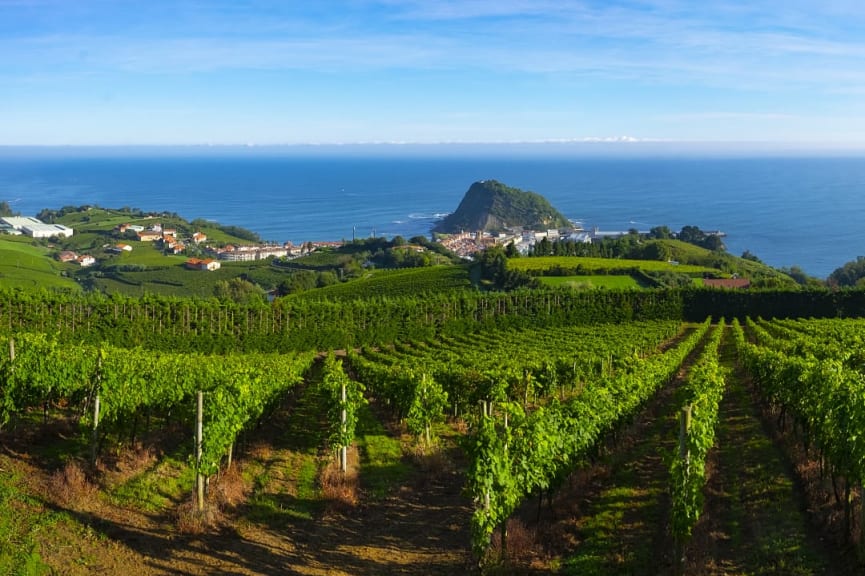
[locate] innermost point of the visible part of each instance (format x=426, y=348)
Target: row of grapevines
x=825, y=397
x=344, y=399
x=519, y=365
x=839, y=339
x=703, y=391
x=514, y=452
x=411, y=393
x=39, y=370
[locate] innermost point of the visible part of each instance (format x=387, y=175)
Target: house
x=199, y=237
x=740, y=283
x=86, y=260
x=169, y=232
x=67, y=256
x=149, y=236
x=250, y=253
x=118, y=248
x=198, y=264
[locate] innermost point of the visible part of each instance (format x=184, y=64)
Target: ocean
x=788, y=211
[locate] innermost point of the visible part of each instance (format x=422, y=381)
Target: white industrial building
x=36, y=228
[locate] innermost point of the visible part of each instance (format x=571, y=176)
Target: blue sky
x=117, y=72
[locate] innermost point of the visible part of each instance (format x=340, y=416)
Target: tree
x=712, y=242
x=327, y=278
x=747, y=255
x=511, y=250
x=239, y=290
x=848, y=274
x=801, y=278
x=5, y=209
x=660, y=232
x=692, y=235
x=543, y=247
x=298, y=281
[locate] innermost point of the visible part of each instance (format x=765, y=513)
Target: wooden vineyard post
x=684, y=428
x=94, y=433
x=343, y=450
x=861, y=519
x=199, y=434
x=685, y=457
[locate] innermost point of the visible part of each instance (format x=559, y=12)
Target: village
x=203, y=255
x=208, y=256
x=466, y=244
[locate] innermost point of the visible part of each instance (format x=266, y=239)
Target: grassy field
x=591, y=266
x=170, y=278
x=614, y=282
x=23, y=265
x=403, y=282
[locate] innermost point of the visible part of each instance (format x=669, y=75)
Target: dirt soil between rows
x=419, y=527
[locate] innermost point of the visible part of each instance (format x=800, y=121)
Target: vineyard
x=651, y=446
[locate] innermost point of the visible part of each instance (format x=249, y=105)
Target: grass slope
x=394, y=283
x=591, y=266
x=23, y=265
x=613, y=282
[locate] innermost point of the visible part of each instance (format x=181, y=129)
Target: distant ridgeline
x=490, y=206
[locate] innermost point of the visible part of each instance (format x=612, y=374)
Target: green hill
x=688, y=254
x=29, y=266
x=490, y=205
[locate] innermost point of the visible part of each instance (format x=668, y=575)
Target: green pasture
x=592, y=266
x=144, y=254
x=23, y=265
x=612, y=282
x=393, y=283
x=167, y=275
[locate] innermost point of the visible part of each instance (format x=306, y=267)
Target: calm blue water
x=808, y=212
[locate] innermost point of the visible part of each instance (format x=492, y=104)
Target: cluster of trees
x=398, y=252
x=630, y=245
x=236, y=231
x=330, y=266
x=6, y=209
x=605, y=248
x=303, y=280
x=693, y=235
x=493, y=271
x=49, y=215
x=850, y=274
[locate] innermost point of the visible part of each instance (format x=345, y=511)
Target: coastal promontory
x=489, y=205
